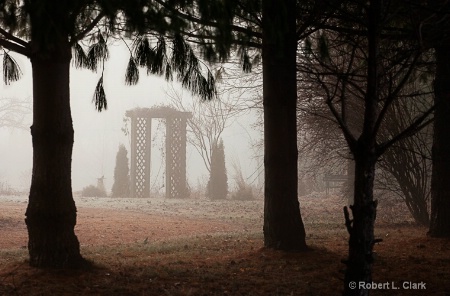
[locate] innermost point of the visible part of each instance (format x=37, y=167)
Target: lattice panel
x=142, y=155
x=176, y=157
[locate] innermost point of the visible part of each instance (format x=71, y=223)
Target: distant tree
x=121, y=186
x=13, y=112
x=6, y=189
x=218, y=181
x=208, y=121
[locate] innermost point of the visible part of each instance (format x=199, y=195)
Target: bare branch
x=413, y=128
x=394, y=94
x=13, y=112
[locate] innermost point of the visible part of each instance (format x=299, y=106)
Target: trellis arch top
x=158, y=112
x=141, y=129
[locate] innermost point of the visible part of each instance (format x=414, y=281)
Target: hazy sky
x=98, y=135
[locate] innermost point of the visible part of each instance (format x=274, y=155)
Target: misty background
x=98, y=135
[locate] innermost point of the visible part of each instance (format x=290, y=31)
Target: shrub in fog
x=217, y=187
x=121, y=186
x=93, y=191
x=243, y=192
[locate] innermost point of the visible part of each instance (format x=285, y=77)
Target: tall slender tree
x=208, y=121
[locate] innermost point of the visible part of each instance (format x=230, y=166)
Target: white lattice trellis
x=175, y=150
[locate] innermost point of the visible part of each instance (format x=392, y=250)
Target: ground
x=199, y=247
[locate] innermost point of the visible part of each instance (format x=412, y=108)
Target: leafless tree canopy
x=13, y=112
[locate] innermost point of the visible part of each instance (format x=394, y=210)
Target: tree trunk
x=283, y=225
x=51, y=211
x=361, y=229
x=440, y=185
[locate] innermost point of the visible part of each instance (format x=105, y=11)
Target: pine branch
x=182, y=61
x=143, y=52
x=80, y=59
x=205, y=22
x=159, y=59
x=132, y=73
x=98, y=52
x=100, y=97
x=11, y=70
x=88, y=28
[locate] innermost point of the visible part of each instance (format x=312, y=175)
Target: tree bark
x=51, y=211
x=440, y=185
x=361, y=229
x=283, y=225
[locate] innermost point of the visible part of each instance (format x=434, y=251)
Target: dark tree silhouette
x=440, y=186
x=433, y=29
x=283, y=226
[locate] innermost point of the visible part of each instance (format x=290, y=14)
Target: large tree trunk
x=283, y=225
x=440, y=185
x=51, y=212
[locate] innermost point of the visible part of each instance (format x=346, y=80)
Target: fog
x=98, y=135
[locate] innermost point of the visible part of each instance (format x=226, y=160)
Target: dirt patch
x=108, y=221
x=198, y=247
x=115, y=227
